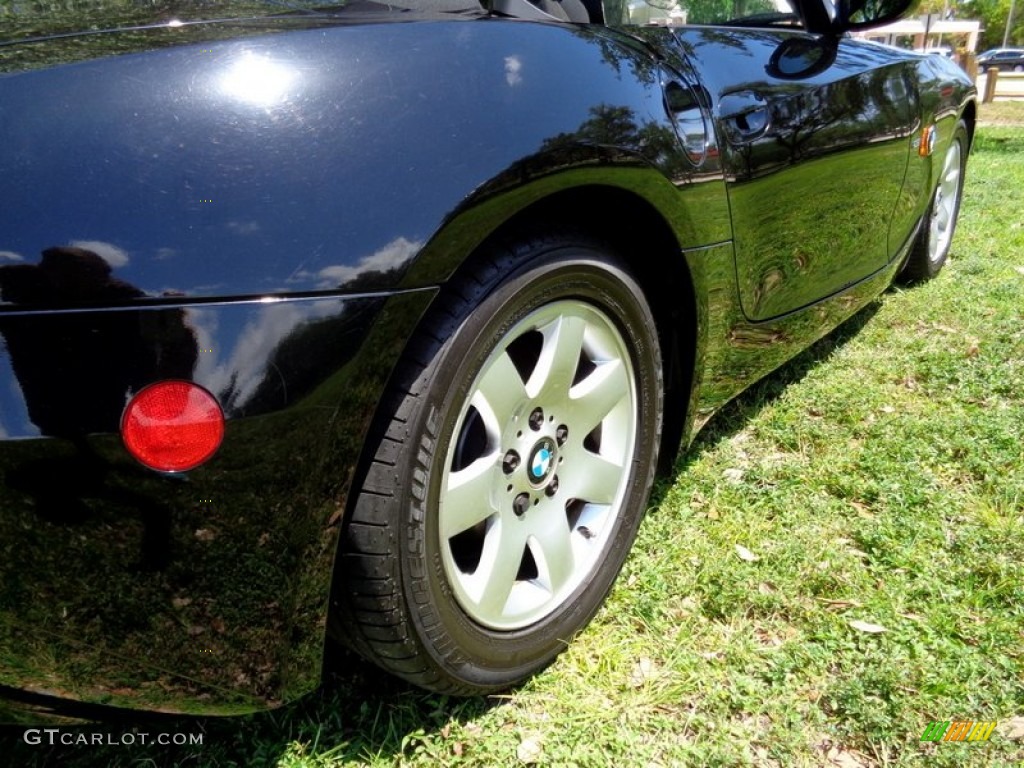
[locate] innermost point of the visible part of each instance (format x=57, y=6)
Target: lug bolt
x=562, y=434
x=536, y=419
x=552, y=488
x=521, y=504
x=510, y=462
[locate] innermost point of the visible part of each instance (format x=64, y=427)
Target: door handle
x=744, y=115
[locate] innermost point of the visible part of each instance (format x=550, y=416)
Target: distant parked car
x=1005, y=59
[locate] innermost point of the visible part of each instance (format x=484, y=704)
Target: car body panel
x=198, y=591
x=843, y=133
x=197, y=160
x=270, y=216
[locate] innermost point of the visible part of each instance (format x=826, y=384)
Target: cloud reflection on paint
x=114, y=256
x=391, y=256
x=235, y=377
x=513, y=66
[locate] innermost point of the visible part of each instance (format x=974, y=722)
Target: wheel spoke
x=508, y=551
x=553, y=553
x=499, y=564
x=590, y=477
x=500, y=392
x=595, y=396
x=467, y=500
x=563, y=340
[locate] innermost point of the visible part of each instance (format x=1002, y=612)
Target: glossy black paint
x=270, y=216
x=204, y=590
x=840, y=135
x=243, y=168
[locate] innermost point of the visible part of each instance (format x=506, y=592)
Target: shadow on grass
x=361, y=713
x=999, y=140
x=737, y=413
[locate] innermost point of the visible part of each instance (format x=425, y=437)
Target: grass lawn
x=838, y=561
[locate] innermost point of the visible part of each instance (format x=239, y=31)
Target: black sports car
x=372, y=324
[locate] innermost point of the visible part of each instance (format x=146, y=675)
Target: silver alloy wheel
x=946, y=205
x=537, y=471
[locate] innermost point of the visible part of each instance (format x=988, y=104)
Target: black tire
x=931, y=248
x=410, y=597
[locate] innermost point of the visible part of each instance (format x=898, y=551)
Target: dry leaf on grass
x=838, y=605
x=862, y=509
x=733, y=475
x=866, y=626
x=844, y=758
x=529, y=750
x=746, y=554
x=1013, y=728
x=643, y=671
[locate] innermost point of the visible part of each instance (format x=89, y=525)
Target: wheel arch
x=375, y=599
x=620, y=218
x=970, y=117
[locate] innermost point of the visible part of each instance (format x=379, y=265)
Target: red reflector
x=172, y=426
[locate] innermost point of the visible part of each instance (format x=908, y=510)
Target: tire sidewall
x=477, y=655
x=919, y=265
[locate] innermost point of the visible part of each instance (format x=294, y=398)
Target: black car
x=1003, y=59
x=372, y=324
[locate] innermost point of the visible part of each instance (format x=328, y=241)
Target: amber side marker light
x=928, y=137
x=172, y=426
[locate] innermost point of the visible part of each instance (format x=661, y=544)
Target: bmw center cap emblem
x=541, y=461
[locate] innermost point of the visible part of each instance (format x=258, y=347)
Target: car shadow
x=737, y=413
x=360, y=713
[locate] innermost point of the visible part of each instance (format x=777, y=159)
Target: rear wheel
x=511, y=475
x=931, y=249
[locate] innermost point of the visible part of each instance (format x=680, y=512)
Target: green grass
x=879, y=477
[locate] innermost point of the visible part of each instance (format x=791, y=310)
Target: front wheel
x=511, y=474
x=931, y=249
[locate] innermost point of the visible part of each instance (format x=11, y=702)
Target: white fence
x=1008, y=85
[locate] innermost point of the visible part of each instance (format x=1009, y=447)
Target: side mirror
x=797, y=58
